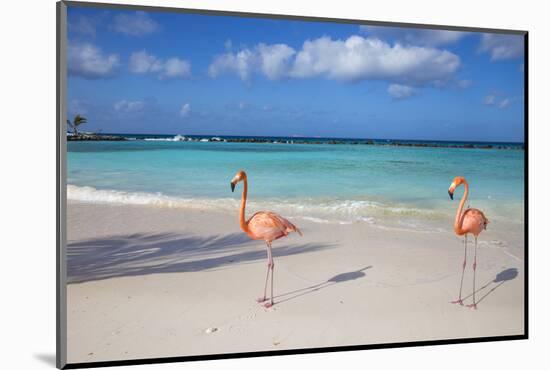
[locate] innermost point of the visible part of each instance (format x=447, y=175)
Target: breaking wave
x=314, y=210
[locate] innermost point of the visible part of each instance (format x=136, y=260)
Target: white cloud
x=359, y=58
x=142, y=62
x=353, y=59
x=83, y=25
x=88, y=61
x=400, y=91
x=241, y=63
x=436, y=37
x=228, y=45
x=275, y=59
x=415, y=36
x=185, y=110
x=464, y=84
x=501, y=46
x=176, y=68
x=271, y=60
x=504, y=103
x=489, y=100
x=135, y=24
x=494, y=100
x=129, y=106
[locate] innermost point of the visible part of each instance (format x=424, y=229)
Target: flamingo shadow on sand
x=494, y=284
x=340, y=278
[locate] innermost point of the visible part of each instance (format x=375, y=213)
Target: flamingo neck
x=459, y=214
x=242, y=221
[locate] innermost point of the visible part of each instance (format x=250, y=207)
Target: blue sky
x=138, y=72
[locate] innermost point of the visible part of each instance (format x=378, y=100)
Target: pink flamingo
x=471, y=221
x=267, y=226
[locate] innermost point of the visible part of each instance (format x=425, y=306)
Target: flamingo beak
x=451, y=195
x=232, y=187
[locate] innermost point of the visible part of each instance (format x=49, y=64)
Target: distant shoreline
x=296, y=140
x=95, y=137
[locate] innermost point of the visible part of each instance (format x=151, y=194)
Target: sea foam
x=343, y=212
x=92, y=195
x=175, y=138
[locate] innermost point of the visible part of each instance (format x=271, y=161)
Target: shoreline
x=292, y=141
x=375, y=212
x=185, y=281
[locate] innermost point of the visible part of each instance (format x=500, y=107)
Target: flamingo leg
x=474, y=305
x=271, y=266
x=459, y=300
x=272, y=273
x=264, y=298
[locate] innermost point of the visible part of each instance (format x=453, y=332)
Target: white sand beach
x=154, y=282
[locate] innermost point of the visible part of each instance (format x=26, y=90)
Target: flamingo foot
x=458, y=301
x=473, y=305
x=261, y=299
x=268, y=304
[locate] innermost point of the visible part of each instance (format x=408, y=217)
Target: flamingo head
x=240, y=176
x=456, y=182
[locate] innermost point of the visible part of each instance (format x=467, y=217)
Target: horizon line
x=311, y=137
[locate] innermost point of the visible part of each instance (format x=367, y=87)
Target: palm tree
x=77, y=121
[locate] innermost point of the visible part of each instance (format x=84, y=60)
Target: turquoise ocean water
x=344, y=183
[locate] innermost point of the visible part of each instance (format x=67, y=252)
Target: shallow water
x=386, y=185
